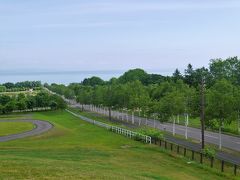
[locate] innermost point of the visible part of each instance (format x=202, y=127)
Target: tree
x=220, y=105
x=53, y=105
x=93, y=81
x=31, y=102
x=4, y=99
x=134, y=75
x=3, y=89
x=228, y=69
x=42, y=99
x=10, y=106
x=1, y=109
x=177, y=75
x=21, y=104
x=189, y=75
x=57, y=102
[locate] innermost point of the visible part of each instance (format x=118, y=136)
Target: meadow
x=75, y=149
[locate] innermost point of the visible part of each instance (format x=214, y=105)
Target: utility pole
x=203, y=111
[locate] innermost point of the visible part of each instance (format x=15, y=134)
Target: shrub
x=152, y=133
x=209, y=152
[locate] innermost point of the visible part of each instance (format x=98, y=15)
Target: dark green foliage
x=152, y=133
x=93, y=81
x=3, y=89
x=22, y=86
x=23, y=102
x=209, y=152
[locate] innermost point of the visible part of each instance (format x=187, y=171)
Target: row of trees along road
x=22, y=102
x=168, y=97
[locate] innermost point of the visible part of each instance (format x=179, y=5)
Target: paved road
x=231, y=142
x=40, y=127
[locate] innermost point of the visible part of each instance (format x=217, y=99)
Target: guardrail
x=118, y=130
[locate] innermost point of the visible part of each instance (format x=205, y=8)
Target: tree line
x=22, y=102
x=167, y=97
x=20, y=86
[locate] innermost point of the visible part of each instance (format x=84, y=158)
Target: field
x=7, y=128
x=75, y=149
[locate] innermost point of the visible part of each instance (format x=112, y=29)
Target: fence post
x=160, y=142
x=211, y=162
x=235, y=169
x=178, y=149
x=222, y=166
x=201, y=158
x=192, y=155
x=171, y=146
x=165, y=144
x=185, y=150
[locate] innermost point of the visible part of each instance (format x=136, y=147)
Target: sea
x=60, y=77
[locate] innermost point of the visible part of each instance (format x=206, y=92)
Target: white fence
x=118, y=130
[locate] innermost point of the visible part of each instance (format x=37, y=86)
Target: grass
x=75, y=149
x=7, y=128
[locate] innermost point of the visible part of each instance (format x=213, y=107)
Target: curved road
x=40, y=127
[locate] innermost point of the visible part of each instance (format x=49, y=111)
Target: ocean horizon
x=62, y=77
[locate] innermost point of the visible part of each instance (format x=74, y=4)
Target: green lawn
x=7, y=128
x=75, y=149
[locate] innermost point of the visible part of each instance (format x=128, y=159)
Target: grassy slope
x=7, y=128
x=75, y=149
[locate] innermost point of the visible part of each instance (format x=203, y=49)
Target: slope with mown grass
x=75, y=149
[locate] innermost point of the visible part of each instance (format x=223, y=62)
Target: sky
x=103, y=35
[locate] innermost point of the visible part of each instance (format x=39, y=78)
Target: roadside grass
x=7, y=128
x=217, y=163
x=75, y=149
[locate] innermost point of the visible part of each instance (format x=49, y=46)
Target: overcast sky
x=116, y=34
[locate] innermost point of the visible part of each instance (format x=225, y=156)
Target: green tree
x=3, y=89
x=21, y=104
x=4, y=99
x=10, y=106
x=93, y=81
x=220, y=105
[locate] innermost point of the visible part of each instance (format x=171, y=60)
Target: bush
x=152, y=133
x=209, y=152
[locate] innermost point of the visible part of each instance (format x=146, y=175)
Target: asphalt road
x=40, y=127
x=231, y=142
